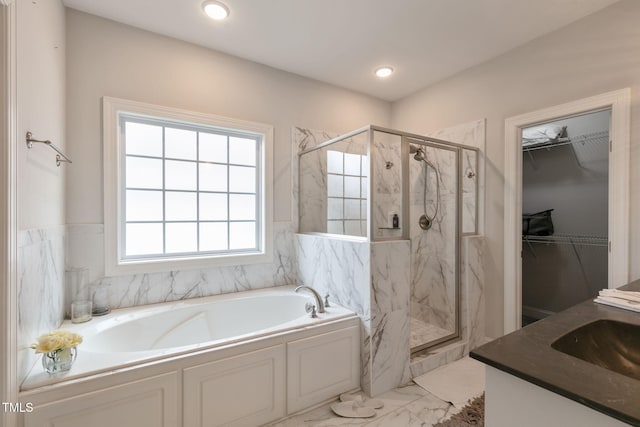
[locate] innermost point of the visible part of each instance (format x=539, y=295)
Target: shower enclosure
x=380, y=185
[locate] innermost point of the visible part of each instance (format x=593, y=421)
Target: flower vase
x=59, y=360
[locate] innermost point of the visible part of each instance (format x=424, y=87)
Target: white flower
x=56, y=340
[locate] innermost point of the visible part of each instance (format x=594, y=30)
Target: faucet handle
x=326, y=300
x=310, y=308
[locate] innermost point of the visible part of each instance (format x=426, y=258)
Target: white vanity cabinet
x=149, y=402
x=510, y=398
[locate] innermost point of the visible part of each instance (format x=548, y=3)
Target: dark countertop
x=527, y=354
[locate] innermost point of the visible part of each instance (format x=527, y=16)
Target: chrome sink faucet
x=316, y=295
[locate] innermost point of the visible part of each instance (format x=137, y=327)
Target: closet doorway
x=619, y=104
x=565, y=177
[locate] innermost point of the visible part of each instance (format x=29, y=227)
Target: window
x=347, y=193
x=184, y=190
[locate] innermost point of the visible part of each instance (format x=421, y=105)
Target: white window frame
x=115, y=261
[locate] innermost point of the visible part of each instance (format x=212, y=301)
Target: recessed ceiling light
x=215, y=9
x=383, y=72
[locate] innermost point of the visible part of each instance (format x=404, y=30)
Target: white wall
x=41, y=110
x=41, y=184
x=597, y=54
x=107, y=58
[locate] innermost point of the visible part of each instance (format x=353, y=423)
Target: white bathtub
x=205, y=321
x=241, y=359
x=131, y=336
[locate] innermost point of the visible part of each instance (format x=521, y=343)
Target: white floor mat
x=456, y=382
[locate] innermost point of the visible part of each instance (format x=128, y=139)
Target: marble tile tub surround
x=373, y=280
x=86, y=250
x=41, y=260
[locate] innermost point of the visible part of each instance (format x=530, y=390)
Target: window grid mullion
x=164, y=194
x=228, y=195
x=198, y=191
x=256, y=214
x=344, y=188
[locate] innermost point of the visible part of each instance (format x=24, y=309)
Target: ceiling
x=342, y=41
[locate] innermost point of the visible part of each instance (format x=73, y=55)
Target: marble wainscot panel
x=41, y=259
x=87, y=250
x=373, y=280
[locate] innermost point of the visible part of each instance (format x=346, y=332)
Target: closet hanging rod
x=60, y=157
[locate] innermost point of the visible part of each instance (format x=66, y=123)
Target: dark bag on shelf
x=537, y=224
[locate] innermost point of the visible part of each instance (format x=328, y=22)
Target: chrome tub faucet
x=316, y=295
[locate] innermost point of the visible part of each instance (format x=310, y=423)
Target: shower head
x=418, y=151
x=419, y=156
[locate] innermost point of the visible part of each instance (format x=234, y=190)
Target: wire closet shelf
x=566, y=239
x=588, y=138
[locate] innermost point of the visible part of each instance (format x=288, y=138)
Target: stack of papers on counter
x=628, y=300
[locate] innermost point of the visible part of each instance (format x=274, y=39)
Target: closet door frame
x=619, y=103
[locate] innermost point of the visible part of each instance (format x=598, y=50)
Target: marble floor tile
x=423, y=412
x=404, y=406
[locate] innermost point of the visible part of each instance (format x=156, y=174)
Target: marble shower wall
x=472, y=299
x=471, y=134
x=86, y=250
x=469, y=170
x=472, y=307
x=371, y=279
x=433, y=254
x=333, y=179
x=387, y=183
x=313, y=180
x=302, y=139
x=41, y=260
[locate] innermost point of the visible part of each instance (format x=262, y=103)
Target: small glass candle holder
x=80, y=311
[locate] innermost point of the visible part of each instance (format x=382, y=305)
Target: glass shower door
x=434, y=229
